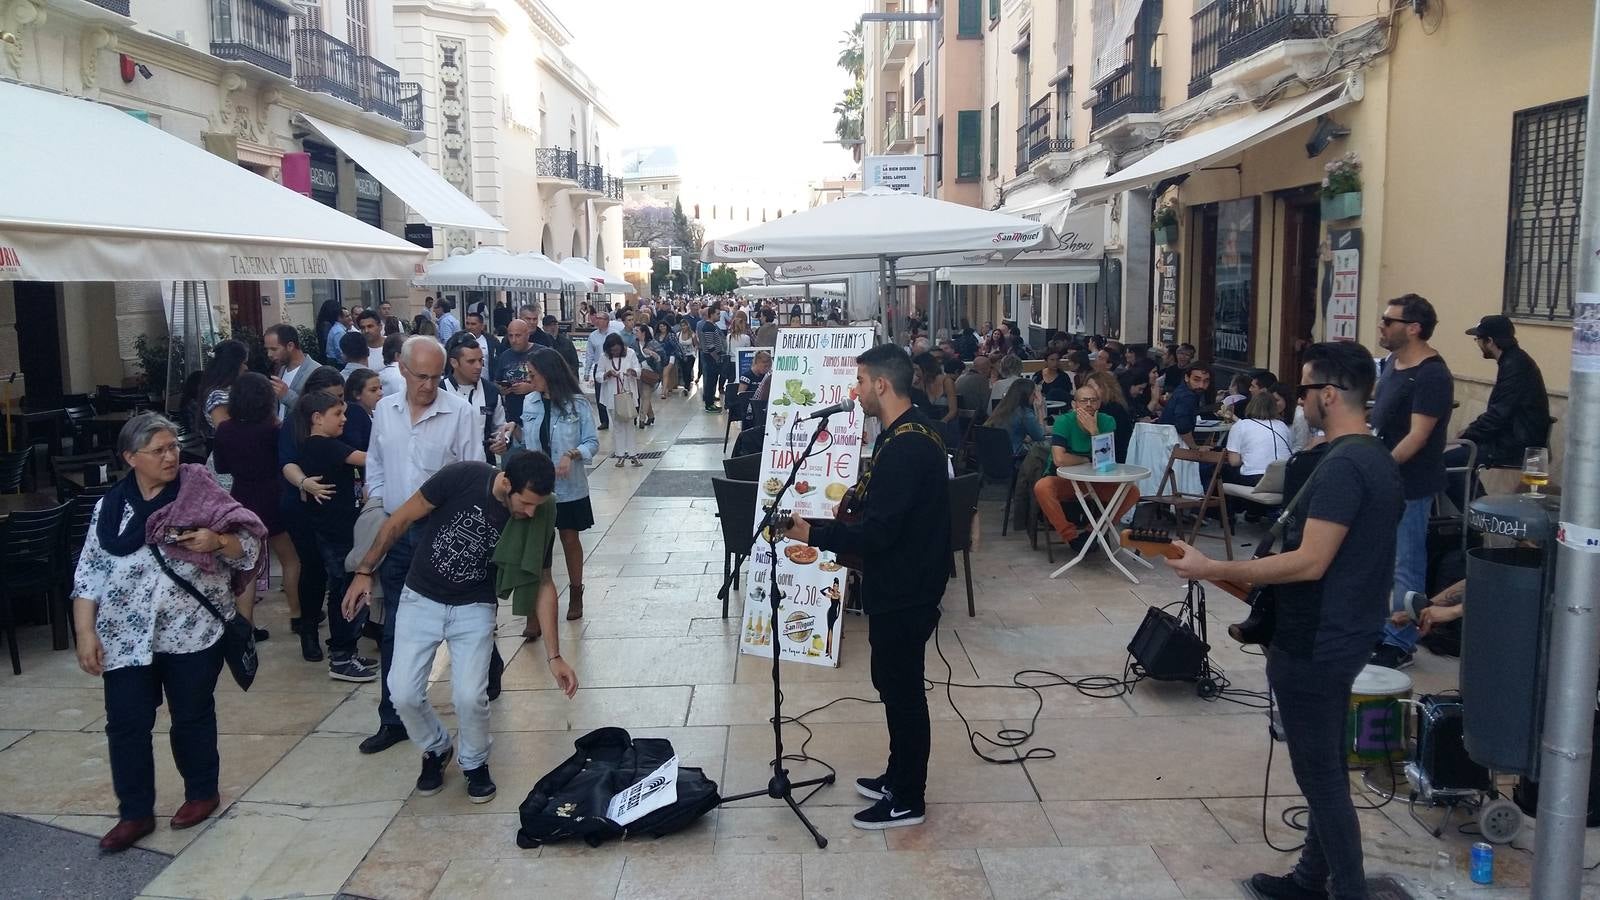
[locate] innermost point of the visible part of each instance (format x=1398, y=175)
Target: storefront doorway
x=1302, y=226
x=38, y=320
x=244, y=305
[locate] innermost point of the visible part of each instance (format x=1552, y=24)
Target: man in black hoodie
x=1518, y=413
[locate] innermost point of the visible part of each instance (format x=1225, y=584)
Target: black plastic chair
x=85, y=438
x=59, y=465
x=963, y=508
x=31, y=554
x=736, y=507
x=79, y=510
x=16, y=470
x=996, y=465
x=737, y=405
x=742, y=468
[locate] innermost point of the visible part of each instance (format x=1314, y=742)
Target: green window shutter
x=994, y=10
x=969, y=19
x=969, y=143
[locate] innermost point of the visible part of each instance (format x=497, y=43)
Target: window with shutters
x=969, y=144
x=356, y=25
x=994, y=141
x=994, y=12
x=969, y=18
x=1547, y=147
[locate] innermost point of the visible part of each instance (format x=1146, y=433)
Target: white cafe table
x=1083, y=478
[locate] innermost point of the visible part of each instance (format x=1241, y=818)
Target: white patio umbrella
x=892, y=227
x=764, y=291
x=492, y=268
x=599, y=280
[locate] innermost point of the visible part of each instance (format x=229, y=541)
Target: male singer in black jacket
x=903, y=539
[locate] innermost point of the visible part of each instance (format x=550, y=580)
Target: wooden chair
x=1212, y=498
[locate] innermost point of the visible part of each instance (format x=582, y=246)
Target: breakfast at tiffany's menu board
x=812, y=368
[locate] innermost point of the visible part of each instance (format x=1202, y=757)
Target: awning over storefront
x=492, y=268
x=89, y=193
x=1054, y=204
x=424, y=190
x=601, y=281
x=1074, y=273
x=1199, y=150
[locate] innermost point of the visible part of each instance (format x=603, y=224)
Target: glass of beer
x=1536, y=469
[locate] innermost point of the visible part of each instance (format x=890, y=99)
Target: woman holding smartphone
x=619, y=386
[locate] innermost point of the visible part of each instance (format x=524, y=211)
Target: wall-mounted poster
x=1167, y=297
x=1236, y=242
x=1341, y=289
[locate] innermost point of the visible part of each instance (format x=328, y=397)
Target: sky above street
x=743, y=88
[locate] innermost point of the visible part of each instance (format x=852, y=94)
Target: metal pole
x=1567, y=743
x=932, y=161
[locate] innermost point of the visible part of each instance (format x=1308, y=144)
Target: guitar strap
x=906, y=428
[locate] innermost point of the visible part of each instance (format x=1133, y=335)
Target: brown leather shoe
x=193, y=812
x=126, y=833
x=575, y=602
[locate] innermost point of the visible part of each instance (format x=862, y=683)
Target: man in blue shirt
x=1183, y=407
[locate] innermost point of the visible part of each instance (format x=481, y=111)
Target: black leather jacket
x=1518, y=415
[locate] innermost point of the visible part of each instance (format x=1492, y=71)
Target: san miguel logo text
x=281, y=266
x=743, y=248
x=9, y=258
x=1016, y=237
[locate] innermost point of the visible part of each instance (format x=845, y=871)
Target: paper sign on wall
x=811, y=368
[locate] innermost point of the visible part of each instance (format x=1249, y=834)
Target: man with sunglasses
x=1333, y=578
x=1411, y=414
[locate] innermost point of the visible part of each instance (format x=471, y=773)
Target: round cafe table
x=1083, y=478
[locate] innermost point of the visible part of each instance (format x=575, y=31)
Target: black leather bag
x=238, y=636
x=570, y=801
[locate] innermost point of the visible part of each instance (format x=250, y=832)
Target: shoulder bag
x=238, y=637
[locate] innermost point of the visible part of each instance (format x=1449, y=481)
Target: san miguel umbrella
x=879, y=224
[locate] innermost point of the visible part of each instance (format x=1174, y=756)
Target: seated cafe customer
x=1020, y=414
x=144, y=635
x=1071, y=441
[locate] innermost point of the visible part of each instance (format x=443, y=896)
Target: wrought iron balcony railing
x=613, y=188
x=592, y=178
x=380, y=88
x=1226, y=31
x=410, y=105
x=554, y=162
x=120, y=7
x=327, y=65
x=1134, y=89
x=251, y=31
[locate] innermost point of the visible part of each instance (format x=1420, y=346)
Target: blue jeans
x=392, y=576
x=1410, y=569
x=1313, y=701
x=468, y=630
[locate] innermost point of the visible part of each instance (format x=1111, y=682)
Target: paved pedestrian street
x=1154, y=794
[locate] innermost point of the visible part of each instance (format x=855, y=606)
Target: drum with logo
x=1377, y=722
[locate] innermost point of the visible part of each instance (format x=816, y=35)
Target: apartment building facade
x=1467, y=123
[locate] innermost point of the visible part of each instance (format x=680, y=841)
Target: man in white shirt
x=371, y=325
x=603, y=325
x=475, y=328
x=466, y=381
x=414, y=434
x=290, y=365
x=389, y=373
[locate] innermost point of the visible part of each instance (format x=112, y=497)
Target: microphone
x=845, y=405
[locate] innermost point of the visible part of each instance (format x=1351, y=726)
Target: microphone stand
x=780, y=787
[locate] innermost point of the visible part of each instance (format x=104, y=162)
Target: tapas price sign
x=811, y=368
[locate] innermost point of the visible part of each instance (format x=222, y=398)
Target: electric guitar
x=1159, y=543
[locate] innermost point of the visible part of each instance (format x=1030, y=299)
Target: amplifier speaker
x=1167, y=649
x=1441, y=752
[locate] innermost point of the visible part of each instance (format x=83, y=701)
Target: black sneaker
x=1283, y=887
x=431, y=781
x=1391, y=657
x=350, y=669
x=873, y=788
x=385, y=737
x=366, y=662
x=260, y=634
x=886, y=813
x=480, y=787
x=310, y=646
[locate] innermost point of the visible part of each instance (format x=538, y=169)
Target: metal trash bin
x=1505, y=632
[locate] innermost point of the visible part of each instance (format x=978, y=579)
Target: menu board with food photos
x=811, y=368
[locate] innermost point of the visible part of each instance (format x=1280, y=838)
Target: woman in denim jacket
x=557, y=420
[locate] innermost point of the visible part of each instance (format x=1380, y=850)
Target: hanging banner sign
x=900, y=172
x=1342, y=287
x=811, y=368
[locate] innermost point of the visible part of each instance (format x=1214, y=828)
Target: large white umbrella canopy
x=879, y=223
x=492, y=268
x=764, y=291
x=89, y=193
x=599, y=280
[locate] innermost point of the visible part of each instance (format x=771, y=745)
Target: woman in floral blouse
x=144, y=635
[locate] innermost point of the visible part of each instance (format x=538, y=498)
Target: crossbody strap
x=1283, y=518
x=184, y=583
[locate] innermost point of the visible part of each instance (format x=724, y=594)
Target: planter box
x=1342, y=206
x=1165, y=236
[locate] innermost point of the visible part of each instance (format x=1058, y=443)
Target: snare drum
x=1377, y=720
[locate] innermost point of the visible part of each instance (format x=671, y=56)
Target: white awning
x=424, y=190
x=1199, y=150
x=1052, y=204
x=600, y=281
x=492, y=268
x=110, y=198
x=767, y=291
x=1079, y=273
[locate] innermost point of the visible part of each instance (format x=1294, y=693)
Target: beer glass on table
x=1536, y=469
